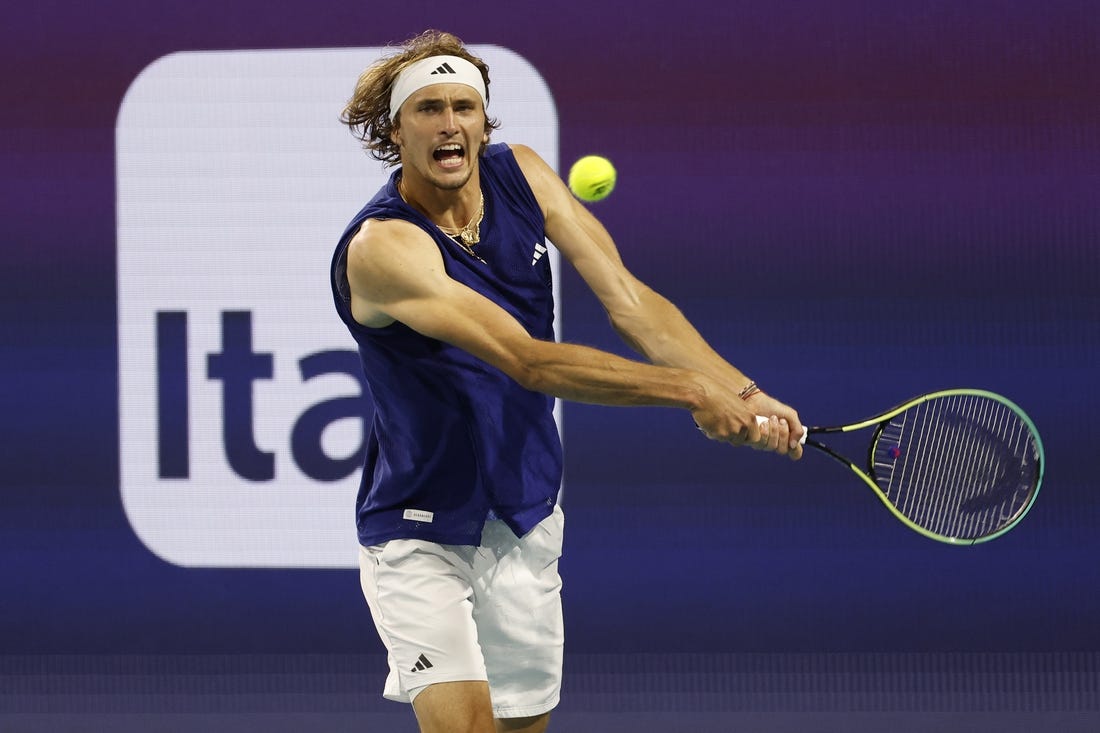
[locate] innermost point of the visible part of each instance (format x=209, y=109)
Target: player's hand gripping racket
x=960, y=466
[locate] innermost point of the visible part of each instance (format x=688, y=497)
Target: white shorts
x=450, y=613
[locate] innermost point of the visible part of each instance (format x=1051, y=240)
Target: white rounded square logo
x=242, y=415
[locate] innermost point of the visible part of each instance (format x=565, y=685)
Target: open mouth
x=449, y=155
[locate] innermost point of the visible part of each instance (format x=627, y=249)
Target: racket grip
x=760, y=420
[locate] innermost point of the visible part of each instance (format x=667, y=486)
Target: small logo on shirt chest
x=540, y=250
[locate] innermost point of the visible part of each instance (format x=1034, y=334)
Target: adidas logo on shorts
x=421, y=664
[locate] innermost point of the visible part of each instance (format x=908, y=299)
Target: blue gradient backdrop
x=855, y=201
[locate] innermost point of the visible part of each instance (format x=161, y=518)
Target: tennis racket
x=960, y=466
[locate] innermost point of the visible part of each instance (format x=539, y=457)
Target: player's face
x=440, y=133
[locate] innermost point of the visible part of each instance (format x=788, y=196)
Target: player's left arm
x=647, y=321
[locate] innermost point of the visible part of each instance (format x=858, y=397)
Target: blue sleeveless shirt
x=453, y=438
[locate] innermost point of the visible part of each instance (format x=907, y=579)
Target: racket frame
x=883, y=419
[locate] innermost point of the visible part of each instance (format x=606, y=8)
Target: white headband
x=435, y=70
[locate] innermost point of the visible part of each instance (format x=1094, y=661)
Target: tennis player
x=441, y=280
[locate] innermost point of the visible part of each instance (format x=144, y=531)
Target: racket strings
x=978, y=468
x=960, y=466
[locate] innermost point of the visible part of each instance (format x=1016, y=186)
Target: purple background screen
x=854, y=201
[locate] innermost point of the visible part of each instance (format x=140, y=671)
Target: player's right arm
x=396, y=273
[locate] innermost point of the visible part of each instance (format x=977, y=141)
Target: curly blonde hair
x=367, y=113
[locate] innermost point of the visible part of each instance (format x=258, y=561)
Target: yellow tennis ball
x=592, y=178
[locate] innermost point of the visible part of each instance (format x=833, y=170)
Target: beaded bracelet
x=749, y=390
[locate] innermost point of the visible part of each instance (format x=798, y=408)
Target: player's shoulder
x=542, y=179
x=524, y=155
x=380, y=243
x=386, y=233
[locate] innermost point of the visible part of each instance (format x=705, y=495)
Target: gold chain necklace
x=470, y=234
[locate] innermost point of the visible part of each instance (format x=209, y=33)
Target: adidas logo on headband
x=444, y=69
